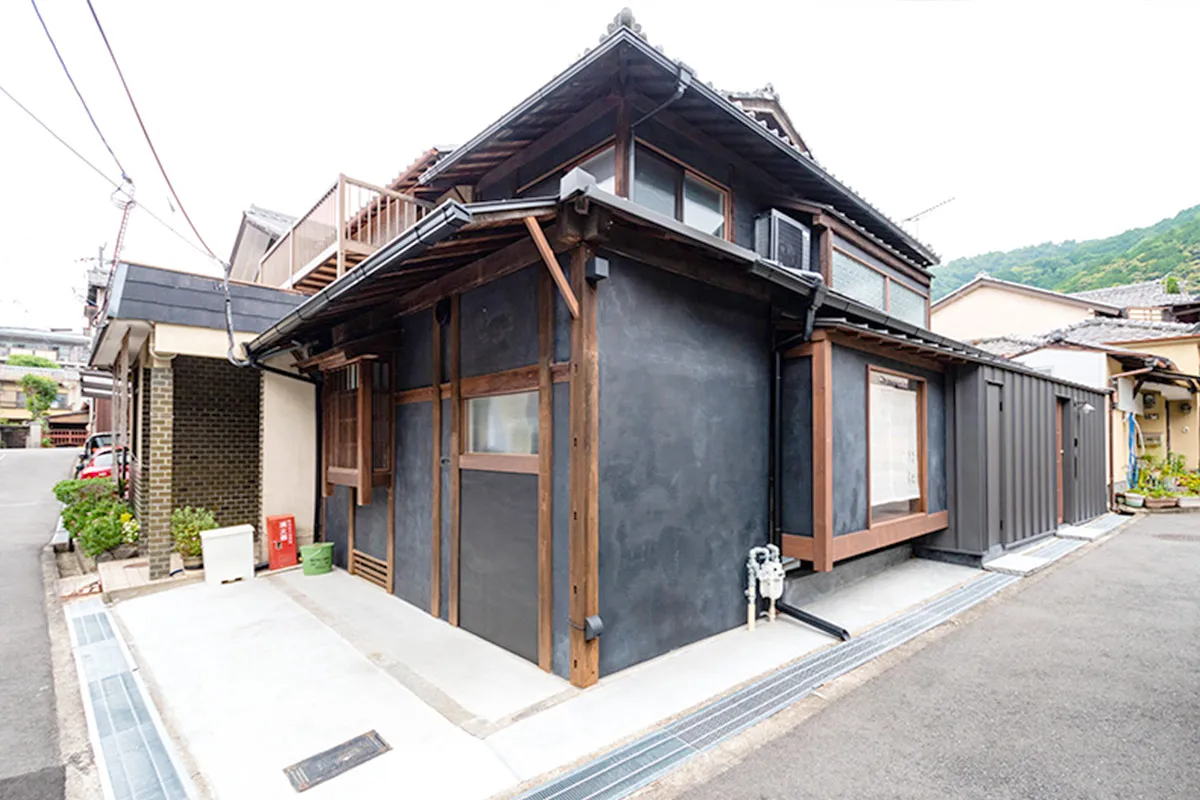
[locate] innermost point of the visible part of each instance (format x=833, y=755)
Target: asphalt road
x=1083, y=684
x=30, y=767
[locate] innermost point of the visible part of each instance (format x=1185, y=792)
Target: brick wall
x=156, y=521
x=140, y=471
x=216, y=439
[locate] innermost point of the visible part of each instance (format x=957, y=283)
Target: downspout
x=682, y=81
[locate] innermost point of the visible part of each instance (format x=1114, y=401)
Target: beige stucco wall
x=1184, y=425
x=289, y=452
x=993, y=311
x=185, y=340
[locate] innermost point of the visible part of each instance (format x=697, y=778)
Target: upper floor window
x=868, y=285
x=670, y=188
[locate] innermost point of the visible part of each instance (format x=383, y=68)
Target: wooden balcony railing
x=350, y=221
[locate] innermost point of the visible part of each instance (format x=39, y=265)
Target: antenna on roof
x=916, y=218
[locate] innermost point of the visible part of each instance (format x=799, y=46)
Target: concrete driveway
x=1083, y=683
x=30, y=767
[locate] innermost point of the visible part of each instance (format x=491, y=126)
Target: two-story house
x=571, y=371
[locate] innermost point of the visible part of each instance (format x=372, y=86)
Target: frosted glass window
x=603, y=167
x=703, y=206
x=907, y=305
x=894, y=427
x=655, y=183
x=858, y=281
x=506, y=423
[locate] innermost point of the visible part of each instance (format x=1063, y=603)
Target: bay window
x=896, y=439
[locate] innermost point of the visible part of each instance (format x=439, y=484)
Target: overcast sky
x=1045, y=121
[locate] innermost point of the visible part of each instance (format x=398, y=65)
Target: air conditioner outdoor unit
x=781, y=238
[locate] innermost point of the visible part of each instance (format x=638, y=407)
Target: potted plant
x=1135, y=499
x=1160, y=497
x=186, y=525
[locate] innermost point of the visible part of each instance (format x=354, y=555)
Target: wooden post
x=822, y=406
x=391, y=533
x=364, y=432
x=341, y=225
x=623, y=150
x=551, y=262
x=545, y=540
x=435, y=566
x=350, y=532
x=584, y=479
x=455, y=452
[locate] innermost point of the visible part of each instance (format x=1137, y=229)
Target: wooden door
x=1060, y=412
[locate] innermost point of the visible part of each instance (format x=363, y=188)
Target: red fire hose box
x=281, y=541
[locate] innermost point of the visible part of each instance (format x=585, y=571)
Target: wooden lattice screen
x=358, y=426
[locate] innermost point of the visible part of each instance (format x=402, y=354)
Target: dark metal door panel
x=995, y=465
x=498, y=586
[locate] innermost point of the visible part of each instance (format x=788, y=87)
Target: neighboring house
x=238, y=440
x=12, y=394
x=571, y=371
x=259, y=230
x=1149, y=300
x=67, y=349
x=987, y=308
x=1152, y=367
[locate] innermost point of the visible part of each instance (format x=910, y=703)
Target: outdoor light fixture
x=1086, y=408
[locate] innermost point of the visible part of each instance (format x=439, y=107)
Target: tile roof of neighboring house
x=1103, y=330
x=1147, y=294
x=982, y=279
x=1009, y=346
x=270, y=222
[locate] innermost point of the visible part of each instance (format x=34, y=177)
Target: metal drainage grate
x=336, y=760
x=627, y=769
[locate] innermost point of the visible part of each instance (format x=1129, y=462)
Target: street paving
x=1080, y=684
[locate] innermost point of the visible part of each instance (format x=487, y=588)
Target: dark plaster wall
x=499, y=587
x=498, y=325
x=683, y=455
x=371, y=525
x=414, y=362
x=414, y=498
x=337, y=522
x=850, y=436
x=796, y=460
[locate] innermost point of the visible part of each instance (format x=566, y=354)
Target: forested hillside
x=1168, y=247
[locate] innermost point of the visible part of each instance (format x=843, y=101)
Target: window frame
x=922, y=445
x=887, y=285
x=523, y=463
x=686, y=170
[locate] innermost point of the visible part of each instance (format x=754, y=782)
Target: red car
x=100, y=465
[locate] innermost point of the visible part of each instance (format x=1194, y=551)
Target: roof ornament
x=625, y=19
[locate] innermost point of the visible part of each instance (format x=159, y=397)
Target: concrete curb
x=81, y=780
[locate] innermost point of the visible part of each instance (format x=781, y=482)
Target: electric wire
x=79, y=94
x=146, y=134
x=119, y=187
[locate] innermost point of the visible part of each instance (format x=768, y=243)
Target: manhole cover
x=336, y=760
x=1178, y=537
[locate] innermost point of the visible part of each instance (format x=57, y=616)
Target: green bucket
x=317, y=558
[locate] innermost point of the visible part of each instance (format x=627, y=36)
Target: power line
x=145, y=133
x=78, y=93
x=119, y=187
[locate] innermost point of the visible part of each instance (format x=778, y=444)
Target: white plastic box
x=228, y=554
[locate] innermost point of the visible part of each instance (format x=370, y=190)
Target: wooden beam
x=822, y=437
x=545, y=535
x=495, y=265
x=521, y=463
x=551, y=262
x=363, y=424
x=583, y=536
x=540, y=147
x=623, y=150
x=874, y=345
x=888, y=533
x=674, y=258
x=517, y=379
x=435, y=559
x=797, y=547
x=455, y=453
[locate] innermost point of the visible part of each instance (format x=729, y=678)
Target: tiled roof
x=268, y=221
x=1102, y=330
x=1008, y=346
x=1148, y=294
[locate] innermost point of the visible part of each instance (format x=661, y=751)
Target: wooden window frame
x=569, y=164
x=524, y=463
x=686, y=170
x=922, y=445
x=887, y=280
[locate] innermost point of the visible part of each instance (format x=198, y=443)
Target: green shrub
x=102, y=532
x=186, y=524
x=68, y=492
x=25, y=360
x=94, y=515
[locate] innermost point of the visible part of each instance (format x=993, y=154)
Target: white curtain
x=893, y=458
